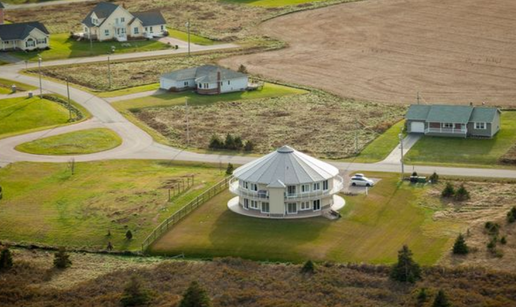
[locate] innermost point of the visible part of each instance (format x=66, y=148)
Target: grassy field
x=5, y=86
x=194, y=39
x=380, y=148
x=458, y=151
x=371, y=230
x=62, y=47
x=73, y=143
x=43, y=203
x=272, y=122
x=272, y=3
x=130, y=90
x=21, y=115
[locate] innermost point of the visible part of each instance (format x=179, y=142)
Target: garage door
x=417, y=127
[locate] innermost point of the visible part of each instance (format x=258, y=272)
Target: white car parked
x=361, y=181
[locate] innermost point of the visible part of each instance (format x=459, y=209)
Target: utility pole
x=69, y=104
x=356, y=136
x=188, y=31
x=109, y=71
x=187, y=124
x=91, y=42
x=418, y=97
x=401, y=160
x=39, y=71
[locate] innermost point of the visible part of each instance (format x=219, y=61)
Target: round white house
x=286, y=184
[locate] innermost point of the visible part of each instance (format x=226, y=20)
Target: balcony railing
x=447, y=130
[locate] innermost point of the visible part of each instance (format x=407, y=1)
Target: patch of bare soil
x=489, y=202
x=452, y=51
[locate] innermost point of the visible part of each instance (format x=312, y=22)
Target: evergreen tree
x=511, y=215
x=503, y=240
x=441, y=300
x=461, y=193
x=422, y=296
x=242, y=69
x=195, y=296
x=460, y=247
x=229, y=169
x=62, y=259
x=434, y=178
x=406, y=269
x=129, y=235
x=6, y=259
x=448, y=191
x=308, y=267
x=238, y=143
x=216, y=142
x=249, y=146
x=230, y=142
x=134, y=293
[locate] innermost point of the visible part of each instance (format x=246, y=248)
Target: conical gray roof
x=287, y=166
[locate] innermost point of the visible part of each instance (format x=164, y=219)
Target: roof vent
x=286, y=149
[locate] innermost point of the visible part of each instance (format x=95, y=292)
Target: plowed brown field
x=452, y=51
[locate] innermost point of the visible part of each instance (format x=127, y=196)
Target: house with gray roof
x=108, y=21
x=206, y=79
x=286, y=183
x=453, y=120
x=24, y=36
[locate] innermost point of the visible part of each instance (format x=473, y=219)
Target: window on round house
x=317, y=186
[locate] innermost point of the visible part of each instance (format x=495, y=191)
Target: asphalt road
x=137, y=144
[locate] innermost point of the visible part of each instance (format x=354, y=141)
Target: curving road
x=137, y=144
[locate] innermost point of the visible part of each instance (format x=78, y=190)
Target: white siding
x=234, y=85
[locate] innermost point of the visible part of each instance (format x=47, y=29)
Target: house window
x=42, y=41
x=291, y=208
x=106, y=32
x=480, y=126
x=325, y=185
x=246, y=184
x=206, y=85
x=185, y=83
x=317, y=186
x=448, y=125
x=151, y=30
x=291, y=190
x=122, y=19
x=304, y=205
x=254, y=204
x=162, y=28
x=229, y=82
x=265, y=207
x=146, y=29
x=246, y=203
x=94, y=21
x=254, y=187
x=86, y=29
x=305, y=188
x=136, y=30
x=317, y=205
x=30, y=43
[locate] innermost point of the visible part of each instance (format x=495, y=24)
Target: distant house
x=108, y=21
x=207, y=79
x=22, y=36
x=453, y=121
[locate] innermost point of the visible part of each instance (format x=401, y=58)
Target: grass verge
x=73, y=143
x=382, y=146
x=194, y=39
x=44, y=203
x=372, y=229
x=6, y=84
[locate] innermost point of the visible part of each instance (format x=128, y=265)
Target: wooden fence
x=184, y=211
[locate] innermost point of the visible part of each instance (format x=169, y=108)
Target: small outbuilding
x=286, y=184
x=453, y=120
x=206, y=79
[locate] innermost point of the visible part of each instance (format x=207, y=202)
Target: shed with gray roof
x=206, y=79
x=453, y=120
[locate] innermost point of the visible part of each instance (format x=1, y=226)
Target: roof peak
x=285, y=149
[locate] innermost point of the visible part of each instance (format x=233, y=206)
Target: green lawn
x=372, y=230
x=5, y=86
x=380, y=148
x=272, y=3
x=73, y=143
x=127, y=91
x=43, y=203
x=194, y=39
x=459, y=151
x=126, y=107
x=22, y=115
x=62, y=47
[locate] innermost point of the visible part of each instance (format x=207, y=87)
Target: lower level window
x=317, y=205
x=448, y=125
x=265, y=207
x=480, y=126
x=254, y=204
x=305, y=205
x=291, y=208
x=30, y=43
x=246, y=203
x=42, y=41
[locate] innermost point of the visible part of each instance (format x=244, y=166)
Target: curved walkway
x=137, y=144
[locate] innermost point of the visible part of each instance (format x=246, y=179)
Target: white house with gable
x=108, y=21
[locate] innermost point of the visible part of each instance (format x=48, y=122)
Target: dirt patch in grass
x=317, y=123
x=490, y=201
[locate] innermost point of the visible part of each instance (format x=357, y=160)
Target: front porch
x=447, y=129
